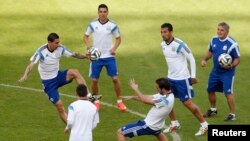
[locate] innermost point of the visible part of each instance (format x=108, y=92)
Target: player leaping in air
x=48, y=56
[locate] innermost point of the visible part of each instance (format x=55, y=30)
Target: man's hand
x=203, y=63
x=112, y=51
x=194, y=80
x=66, y=130
x=228, y=66
x=132, y=84
x=23, y=78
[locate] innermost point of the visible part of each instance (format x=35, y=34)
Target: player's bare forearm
x=207, y=56
x=116, y=45
x=87, y=42
x=79, y=55
x=26, y=72
x=236, y=62
x=117, y=42
x=147, y=99
x=130, y=97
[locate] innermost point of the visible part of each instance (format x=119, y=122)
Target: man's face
x=159, y=90
x=54, y=45
x=222, y=32
x=166, y=34
x=103, y=14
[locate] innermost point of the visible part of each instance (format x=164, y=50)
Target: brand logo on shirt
x=214, y=45
x=224, y=47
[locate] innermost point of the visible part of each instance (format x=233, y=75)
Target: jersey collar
x=169, y=42
x=104, y=22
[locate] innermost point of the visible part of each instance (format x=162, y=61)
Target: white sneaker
x=202, y=131
x=172, y=127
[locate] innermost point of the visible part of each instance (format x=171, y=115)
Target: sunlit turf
x=28, y=115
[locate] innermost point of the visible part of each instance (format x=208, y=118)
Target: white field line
x=67, y=95
x=174, y=135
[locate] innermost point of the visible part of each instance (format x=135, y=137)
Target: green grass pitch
x=27, y=115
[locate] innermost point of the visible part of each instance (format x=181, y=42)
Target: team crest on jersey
x=224, y=47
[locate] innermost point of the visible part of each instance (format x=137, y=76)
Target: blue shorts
x=108, y=63
x=51, y=85
x=182, y=89
x=138, y=129
x=220, y=82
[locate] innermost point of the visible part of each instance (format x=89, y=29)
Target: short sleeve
x=160, y=100
x=89, y=30
x=36, y=57
x=115, y=31
x=66, y=52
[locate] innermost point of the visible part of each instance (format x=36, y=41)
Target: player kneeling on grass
x=82, y=118
x=162, y=103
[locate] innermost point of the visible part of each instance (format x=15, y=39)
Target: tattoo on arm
x=78, y=55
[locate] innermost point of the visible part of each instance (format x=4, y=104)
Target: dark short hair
x=81, y=90
x=103, y=6
x=168, y=26
x=163, y=83
x=52, y=37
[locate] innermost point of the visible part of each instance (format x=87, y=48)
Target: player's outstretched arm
x=130, y=97
x=147, y=99
x=26, y=72
x=79, y=55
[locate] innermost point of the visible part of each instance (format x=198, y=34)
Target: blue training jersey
x=217, y=47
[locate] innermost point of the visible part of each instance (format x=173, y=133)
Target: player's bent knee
x=115, y=79
x=74, y=72
x=119, y=132
x=60, y=107
x=95, y=80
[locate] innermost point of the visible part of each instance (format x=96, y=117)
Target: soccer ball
x=95, y=54
x=225, y=59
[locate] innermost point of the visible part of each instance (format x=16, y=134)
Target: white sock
x=232, y=114
x=118, y=101
x=213, y=109
x=89, y=95
x=204, y=124
x=174, y=122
